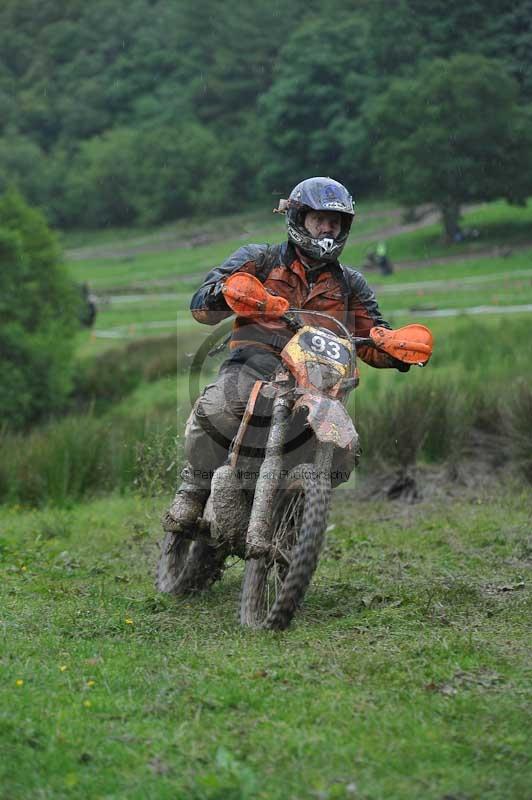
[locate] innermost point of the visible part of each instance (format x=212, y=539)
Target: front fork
x=259, y=529
x=270, y=475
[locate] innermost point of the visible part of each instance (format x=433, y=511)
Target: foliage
x=124, y=95
x=78, y=456
x=453, y=134
x=148, y=175
x=431, y=415
x=312, y=110
x=107, y=378
x=38, y=308
x=516, y=414
x=416, y=420
x=22, y=162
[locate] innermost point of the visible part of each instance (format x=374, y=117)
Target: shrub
x=412, y=420
x=67, y=460
x=115, y=373
x=156, y=461
x=38, y=316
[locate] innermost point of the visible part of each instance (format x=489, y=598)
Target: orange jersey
x=333, y=289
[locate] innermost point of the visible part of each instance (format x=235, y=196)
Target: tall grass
x=80, y=456
x=516, y=415
x=428, y=420
x=437, y=414
x=115, y=373
x=477, y=382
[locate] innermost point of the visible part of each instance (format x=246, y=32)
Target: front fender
x=328, y=419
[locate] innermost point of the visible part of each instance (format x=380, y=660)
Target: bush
x=115, y=373
x=38, y=316
x=23, y=165
x=145, y=176
x=100, y=182
x=426, y=419
x=79, y=456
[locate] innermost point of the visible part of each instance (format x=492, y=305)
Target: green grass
x=247, y=221
x=104, y=273
x=404, y=676
x=456, y=299
x=148, y=310
x=497, y=223
x=487, y=280
x=515, y=266
x=427, y=242
x=484, y=283
x=185, y=228
x=139, y=398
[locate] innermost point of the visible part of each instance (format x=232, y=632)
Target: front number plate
x=328, y=347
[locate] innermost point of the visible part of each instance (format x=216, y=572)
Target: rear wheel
x=274, y=586
x=187, y=566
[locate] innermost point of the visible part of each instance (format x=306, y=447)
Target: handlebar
x=248, y=297
x=411, y=344
x=294, y=325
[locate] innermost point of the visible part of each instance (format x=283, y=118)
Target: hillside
x=138, y=113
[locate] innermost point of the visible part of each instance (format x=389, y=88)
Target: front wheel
x=274, y=586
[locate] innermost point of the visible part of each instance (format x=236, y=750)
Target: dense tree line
x=147, y=110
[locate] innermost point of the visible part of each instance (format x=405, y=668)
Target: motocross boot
x=185, y=509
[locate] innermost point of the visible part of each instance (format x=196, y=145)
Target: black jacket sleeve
x=208, y=304
x=363, y=314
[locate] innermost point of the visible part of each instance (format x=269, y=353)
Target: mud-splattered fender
x=328, y=419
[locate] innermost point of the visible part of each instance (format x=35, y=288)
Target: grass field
x=123, y=265
x=148, y=292
x=407, y=673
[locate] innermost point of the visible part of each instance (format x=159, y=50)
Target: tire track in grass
x=526, y=308
x=435, y=285
x=129, y=331
x=443, y=284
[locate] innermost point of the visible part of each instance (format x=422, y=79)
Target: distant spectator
x=87, y=312
x=383, y=262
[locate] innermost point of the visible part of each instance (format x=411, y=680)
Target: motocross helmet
x=318, y=194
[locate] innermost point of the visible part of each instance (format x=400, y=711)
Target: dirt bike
x=297, y=425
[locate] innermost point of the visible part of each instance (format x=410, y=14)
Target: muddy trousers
x=216, y=417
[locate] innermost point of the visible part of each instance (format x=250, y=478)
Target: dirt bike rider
x=304, y=270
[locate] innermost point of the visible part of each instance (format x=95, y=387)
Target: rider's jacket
x=334, y=289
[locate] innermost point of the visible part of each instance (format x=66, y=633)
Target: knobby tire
x=273, y=590
x=186, y=566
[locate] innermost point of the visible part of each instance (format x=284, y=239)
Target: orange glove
x=411, y=344
x=247, y=297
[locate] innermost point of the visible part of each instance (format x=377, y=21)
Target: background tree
x=274, y=90
x=311, y=113
x=38, y=316
x=453, y=134
x=23, y=163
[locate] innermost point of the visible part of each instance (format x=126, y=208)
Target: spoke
x=268, y=606
x=277, y=581
x=284, y=538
